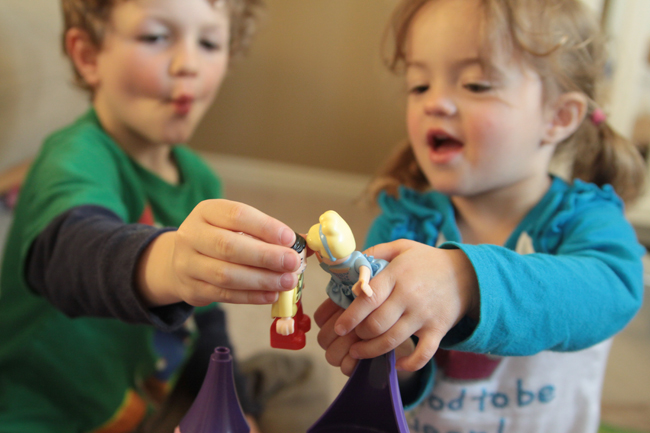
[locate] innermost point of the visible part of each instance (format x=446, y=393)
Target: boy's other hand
x=223, y=252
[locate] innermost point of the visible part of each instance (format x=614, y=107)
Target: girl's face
x=473, y=130
x=159, y=68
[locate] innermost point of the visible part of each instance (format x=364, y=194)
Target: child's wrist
x=467, y=285
x=154, y=281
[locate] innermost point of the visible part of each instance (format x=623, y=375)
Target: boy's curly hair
x=93, y=15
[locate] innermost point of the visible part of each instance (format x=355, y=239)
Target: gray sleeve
x=84, y=263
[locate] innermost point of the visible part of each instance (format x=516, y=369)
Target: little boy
x=92, y=284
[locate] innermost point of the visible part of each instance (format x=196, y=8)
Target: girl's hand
x=424, y=291
x=337, y=349
x=223, y=252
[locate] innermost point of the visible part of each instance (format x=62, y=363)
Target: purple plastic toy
x=216, y=408
x=370, y=401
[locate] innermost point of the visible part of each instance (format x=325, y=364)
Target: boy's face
x=472, y=130
x=159, y=68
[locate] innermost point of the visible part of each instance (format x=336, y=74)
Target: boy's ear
x=83, y=53
x=566, y=115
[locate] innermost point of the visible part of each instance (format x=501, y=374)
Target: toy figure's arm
x=283, y=308
x=362, y=284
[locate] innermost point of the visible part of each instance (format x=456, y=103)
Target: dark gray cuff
x=84, y=262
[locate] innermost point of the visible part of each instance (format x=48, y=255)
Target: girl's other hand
x=223, y=252
x=424, y=291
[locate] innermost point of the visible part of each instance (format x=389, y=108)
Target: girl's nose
x=439, y=103
x=185, y=59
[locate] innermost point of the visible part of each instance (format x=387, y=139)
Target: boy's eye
x=417, y=90
x=152, y=38
x=478, y=87
x=210, y=45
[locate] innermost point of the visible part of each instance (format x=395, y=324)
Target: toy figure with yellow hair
x=333, y=242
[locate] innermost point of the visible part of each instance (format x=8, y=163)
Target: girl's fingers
x=362, y=306
x=390, y=250
x=427, y=346
x=348, y=365
x=339, y=349
x=232, y=247
x=239, y=217
x=326, y=335
x=380, y=320
x=236, y=277
x=325, y=311
x=385, y=342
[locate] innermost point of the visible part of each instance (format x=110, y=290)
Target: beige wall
x=312, y=91
x=35, y=92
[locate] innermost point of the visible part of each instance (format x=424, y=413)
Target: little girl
x=515, y=279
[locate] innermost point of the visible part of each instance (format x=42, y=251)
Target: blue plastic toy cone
x=369, y=402
x=216, y=408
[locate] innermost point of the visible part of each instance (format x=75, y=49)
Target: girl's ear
x=83, y=53
x=566, y=115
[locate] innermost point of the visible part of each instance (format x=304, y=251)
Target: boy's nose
x=185, y=59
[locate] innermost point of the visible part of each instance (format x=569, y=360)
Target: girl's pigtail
x=605, y=157
x=400, y=169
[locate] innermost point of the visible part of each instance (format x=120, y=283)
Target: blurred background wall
x=313, y=90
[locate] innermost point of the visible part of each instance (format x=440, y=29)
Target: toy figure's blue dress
x=346, y=274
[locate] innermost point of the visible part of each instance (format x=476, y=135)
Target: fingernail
x=340, y=330
x=289, y=261
x=287, y=237
x=271, y=297
x=286, y=281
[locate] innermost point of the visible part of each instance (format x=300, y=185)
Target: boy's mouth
x=182, y=104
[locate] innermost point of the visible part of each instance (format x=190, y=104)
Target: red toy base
x=297, y=340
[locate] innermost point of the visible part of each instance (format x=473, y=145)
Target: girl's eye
x=478, y=87
x=152, y=38
x=418, y=90
x=210, y=45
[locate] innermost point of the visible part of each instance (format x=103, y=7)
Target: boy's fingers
x=239, y=217
x=325, y=311
x=202, y=293
x=362, y=306
x=237, y=277
x=244, y=250
x=424, y=351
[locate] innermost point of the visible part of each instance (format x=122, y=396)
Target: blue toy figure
x=333, y=242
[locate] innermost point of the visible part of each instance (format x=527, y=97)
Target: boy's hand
x=424, y=291
x=223, y=252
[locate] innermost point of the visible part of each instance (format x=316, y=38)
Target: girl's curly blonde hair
x=93, y=15
x=562, y=41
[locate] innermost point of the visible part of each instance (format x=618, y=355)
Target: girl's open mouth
x=443, y=147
